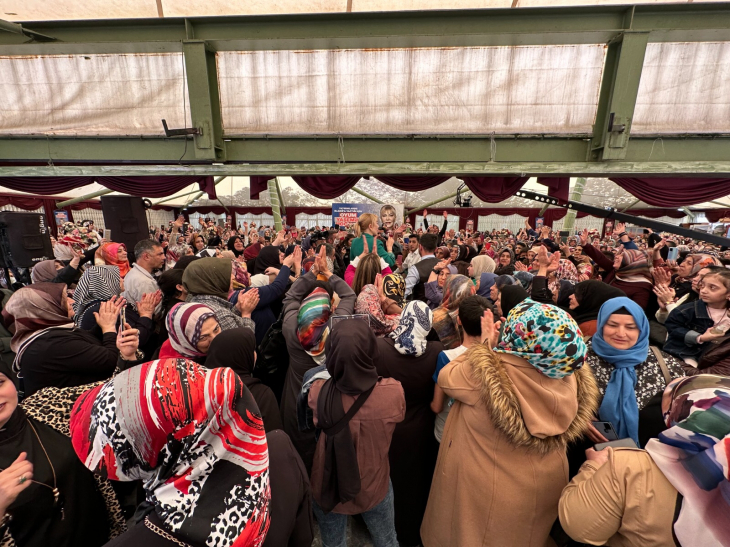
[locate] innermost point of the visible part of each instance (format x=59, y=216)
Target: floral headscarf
x=457, y=288
x=693, y=454
x=700, y=261
x=566, y=271
x=175, y=253
x=196, y=440
x=394, y=287
x=634, y=267
x=413, y=328
x=546, y=336
x=241, y=277
x=368, y=302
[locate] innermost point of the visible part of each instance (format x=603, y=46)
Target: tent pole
x=281, y=199
x=580, y=185
x=98, y=193
x=358, y=191
x=274, y=199
x=420, y=207
x=198, y=193
x=635, y=202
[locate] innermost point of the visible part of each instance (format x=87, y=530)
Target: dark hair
x=622, y=311
x=184, y=262
x=462, y=267
x=330, y=249
x=168, y=283
x=414, y=236
x=145, y=246
x=428, y=242
x=471, y=310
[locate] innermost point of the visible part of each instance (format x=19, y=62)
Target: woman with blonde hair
x=367, y=226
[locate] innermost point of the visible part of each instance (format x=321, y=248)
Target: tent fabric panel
x=87, y=95
x=685, y=88
x=470, y=90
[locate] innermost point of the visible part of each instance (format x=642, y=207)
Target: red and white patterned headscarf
x=184, y=325
x=196, y=440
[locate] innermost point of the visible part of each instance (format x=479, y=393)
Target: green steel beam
x=546, y=149
x=528, y=169
x=274, y=200
x=205, y=111
x=453, y=28
x=617, y=99
x=365, y=194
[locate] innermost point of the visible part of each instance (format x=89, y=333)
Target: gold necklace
x=56, y=493
x=162, y=533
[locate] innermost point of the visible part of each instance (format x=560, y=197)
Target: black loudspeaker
x=25, y=239
x=126, y=218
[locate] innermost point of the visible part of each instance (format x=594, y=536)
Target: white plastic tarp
x=476, y=90
x=92, y=94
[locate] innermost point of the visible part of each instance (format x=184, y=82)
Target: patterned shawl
x=694, y=453
x=313, y=323
x=634, y=267
x=184, y=323
x=545, y=336
x=368, y=301
x=35, y=308
x=175, y=253
x=700, y=261
x=97, y=283
x=44, y=272
x=566, y=271
x=195, y=439
x=413, y=328
x=108, y=253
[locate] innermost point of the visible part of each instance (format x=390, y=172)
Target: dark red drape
x=412, y=183
x=716, y=215
x=153, y=187
x=675, y=192
x=494, y=189
x=558, y=187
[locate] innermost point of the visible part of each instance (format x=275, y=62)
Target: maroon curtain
x=412, y=183
x=674, y=192
x=328, y=187
x=494, y=189
x=153, y=187
x=715, y=215
x=258, y=185
x=558, y=187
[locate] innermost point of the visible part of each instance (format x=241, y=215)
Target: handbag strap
x=339, y=426
x=662, y=364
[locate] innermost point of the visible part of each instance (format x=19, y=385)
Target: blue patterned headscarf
x=619, y=404
x=544, y=335
x=413, y=328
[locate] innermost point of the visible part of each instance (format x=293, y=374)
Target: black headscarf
x=185, y=261
x=511, y=296
x=234, y=348
x=232, y=245
x=566, y=288
x=268, y=258
x=591, y=295
x=351, y=356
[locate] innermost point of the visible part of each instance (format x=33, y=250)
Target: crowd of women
x=231, y=386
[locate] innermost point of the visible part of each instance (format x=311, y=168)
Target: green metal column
x=274, y=199
x=281, y=199
x=205, y=110
x=617, y=99
x=580, y=184
x=365, y=194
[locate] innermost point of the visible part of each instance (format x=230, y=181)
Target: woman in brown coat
x=502, y=463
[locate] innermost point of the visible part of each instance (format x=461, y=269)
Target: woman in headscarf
x=99, y=284
x=486, y=282
x=114, y=254
x=406, y=356
x=628, y=372
x=54, y=271
x=445, y=321
x=506, y=263
x=566, y=272
x=268, y=257
x=670, y=494
x=508, y=298
x=191, y=328
x=629, y=271
x=236, y=349
x=516, y=408
x=688, y=270
x=434, y=287
x=308, y=305
x=208, y=281
x=48, y=497
x=480, y=265
x=50, y=352
x=235, y=245
x=370, y=303
x=356, y=412
x=586, y=302
x=394, y=287
x=194, y=437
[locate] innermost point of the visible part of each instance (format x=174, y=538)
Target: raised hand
x=14, y=479
x=584, y=237
x=108, y=312
x=128, y=342
x=247, y=302
x=146, y=306
x=365, y=247
x=490, y=329
x=662, y=276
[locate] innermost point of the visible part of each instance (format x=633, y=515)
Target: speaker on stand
x=25, y=240
x=126, y=217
